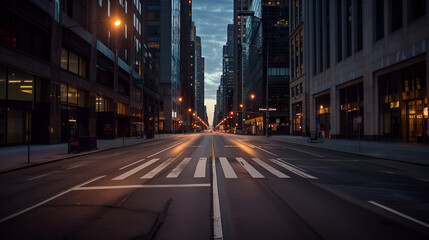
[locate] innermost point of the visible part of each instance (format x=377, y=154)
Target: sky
x=211, y=18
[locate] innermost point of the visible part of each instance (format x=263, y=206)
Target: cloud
x=211, y=19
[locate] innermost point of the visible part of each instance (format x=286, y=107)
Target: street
x=259, y=188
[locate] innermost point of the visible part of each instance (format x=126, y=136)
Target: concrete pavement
x=13, y=157
x=404, y=152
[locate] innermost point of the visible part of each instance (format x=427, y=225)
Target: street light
x=117, y=22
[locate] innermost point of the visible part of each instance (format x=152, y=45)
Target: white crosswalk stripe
x=249, y=168
x=200, y=171
x=292, y=168
x=227, y=169
x=270, y=169
x=134, y=170
x=158, y=169
x=176, y=171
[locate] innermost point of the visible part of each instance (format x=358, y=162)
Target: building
x=367, y=68
x=186, y=70
x=67, y=71
x=164, y=29
x=238, y=39
x=199, y=78
x=267, y=59
x=229, y=71
x=298, y=91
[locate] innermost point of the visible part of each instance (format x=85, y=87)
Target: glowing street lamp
x=117, y=22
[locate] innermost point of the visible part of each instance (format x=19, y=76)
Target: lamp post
x=266, y=95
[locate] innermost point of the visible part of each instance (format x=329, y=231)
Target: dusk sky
x=211, y=18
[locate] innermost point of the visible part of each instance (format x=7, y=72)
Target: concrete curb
x=354, y=153
x=77, y=155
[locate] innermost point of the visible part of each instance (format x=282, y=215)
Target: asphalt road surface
x=216, y=186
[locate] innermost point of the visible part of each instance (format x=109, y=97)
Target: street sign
x=269, y=109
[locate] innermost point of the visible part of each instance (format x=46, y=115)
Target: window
x=2, y=82
x=74, y=63
x=339, y=32
x=108, y=8
x=359, y=32
x=416, y=9
x=349, y=29
x=20, y=86
x=100, y=2
x=379, y=19
x=396, y=15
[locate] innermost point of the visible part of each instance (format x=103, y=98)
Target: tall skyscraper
x=164, y=19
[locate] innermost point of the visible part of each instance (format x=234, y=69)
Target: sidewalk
x=406, y=152
x=12, y=157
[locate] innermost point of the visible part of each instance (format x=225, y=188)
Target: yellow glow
x=252, y=96
x=180, y=99
x=425, y=112
x=189, y=110
x=117, y=22
x=321, y=106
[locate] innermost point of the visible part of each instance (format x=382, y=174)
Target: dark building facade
x=367, y=64
x=267, y=58
x=66, y=71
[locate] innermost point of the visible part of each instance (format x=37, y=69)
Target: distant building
x=164, y=29
x=298, y=82
x=367, y=68
x=67, y=71
x=267, y=58
x=199, y=78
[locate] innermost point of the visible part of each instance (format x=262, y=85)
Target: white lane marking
x=400, y=214
x=253, y=146
x=158, y=169
x=292, y=169
x=134, y=170
x=227, y=169
x=177, y=170
x=296, y=150
x=49, y=199
x=270, y=169
x=164, y=150
x=217, y=220
x=75, y=166
x=131, y=164
x=195, y=146
x=249, y=168
x=425, y=180
x=143, y=186
x=200, y=171
x=231, y=146
x=43, y=175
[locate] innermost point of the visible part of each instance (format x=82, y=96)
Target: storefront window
x=20, y=86
x=402, y=104
x=323, y=123
x=73, y=63
x=2, y=82
x=63, y=93
x=351, y=111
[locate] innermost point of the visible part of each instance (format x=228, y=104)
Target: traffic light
x=231, y=113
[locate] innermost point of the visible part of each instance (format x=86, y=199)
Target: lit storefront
x=403, y=104
x=351, y=111
x=297, y=119
x=74, y=113
x=20, y=95
x=323, y=108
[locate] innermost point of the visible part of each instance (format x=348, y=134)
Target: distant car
x=238, y=130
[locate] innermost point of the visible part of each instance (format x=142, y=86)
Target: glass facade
x=403, y=104
x=323, y=110
x=297, y=119
x=74, y=112
x=351, y=111
x=17, y=100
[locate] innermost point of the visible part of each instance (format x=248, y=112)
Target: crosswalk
x=230, y=166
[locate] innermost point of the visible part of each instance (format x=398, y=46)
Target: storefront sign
x=269, y=109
